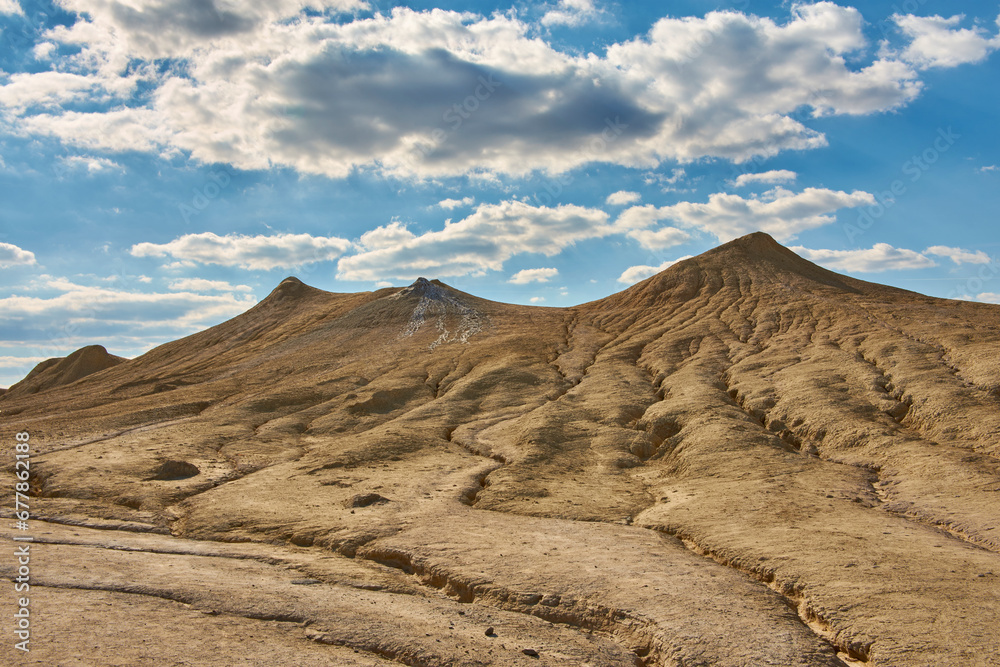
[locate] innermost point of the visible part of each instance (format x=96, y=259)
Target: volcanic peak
x=434, y=290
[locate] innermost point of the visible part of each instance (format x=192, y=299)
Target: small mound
x=174, y=470
x=60, y=371
x=365, y=500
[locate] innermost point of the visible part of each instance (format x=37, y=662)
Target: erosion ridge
x=745, y=459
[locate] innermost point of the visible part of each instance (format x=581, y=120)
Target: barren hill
x=744, y=460
x=59, y=371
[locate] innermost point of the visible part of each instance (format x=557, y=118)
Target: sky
x=164, y=164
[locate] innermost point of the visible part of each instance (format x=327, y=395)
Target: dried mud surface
x=744, y=460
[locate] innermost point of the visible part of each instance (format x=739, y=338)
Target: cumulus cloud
x=636, y=220
x=533, y=276
x=623, y=198
x=387, y=236
x=988, y=297
x=20, y=362
x=248, y=252
x=779, y=212
x=451, y=204
x=481, y=242
x=990, y=167
x=770, y=177
x=959, y=255
x=880, y=257
x=13, y=369
x=634, y=274
x=77, y=308
x=49, y=89
x=665, y=237
x=11, y=256
x=571, y=13
x=11, y=7
x=90, y=164
x=203, y=285
x=939, y=42
x=427, y=94
x=171, y=28
x=120, y=278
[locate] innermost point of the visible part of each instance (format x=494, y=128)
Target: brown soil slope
x=744, y=460
x=58, y=371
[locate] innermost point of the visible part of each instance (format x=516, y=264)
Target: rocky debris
x=454, y=318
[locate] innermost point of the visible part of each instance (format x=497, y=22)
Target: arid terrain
x=744, y=460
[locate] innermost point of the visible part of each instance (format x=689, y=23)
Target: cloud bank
x=248, y=252
x=435, y=93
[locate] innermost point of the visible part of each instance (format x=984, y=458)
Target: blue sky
x=165, y=163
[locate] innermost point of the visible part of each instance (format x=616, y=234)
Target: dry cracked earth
x=744, y=460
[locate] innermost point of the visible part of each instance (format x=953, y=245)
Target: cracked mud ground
x=745, y=460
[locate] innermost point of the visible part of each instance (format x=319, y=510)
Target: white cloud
x=988, y=297
x=43, y=50
x=659, y=239
x=20, y=362
x=120, y=279
x=623, y=198
x=571, y=13
x=533, y=276
x=939, y=42
x=537, y=299
x=451, y=204
x=779, y=212
x=667, y=182
x=636, y=220
x=203, y=285
x=959, y=255
x=77, y=309
x=427, y=94
x=11, y=7
x=248, y=252
x=177, y=266
x=11, y=255
x=639, y=217
x=172, y=28
x=49, y=89
x=880, y=257
x=770, y=177
x=991, y=167
x=481, y=242
x=388, y=236
x=635, y=274
x=90, y=164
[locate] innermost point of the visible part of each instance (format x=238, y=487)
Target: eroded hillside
x=744, y=460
